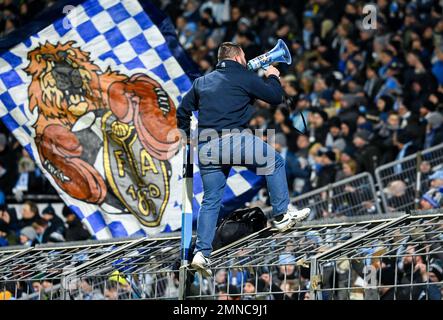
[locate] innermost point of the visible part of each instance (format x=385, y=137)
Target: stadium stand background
x=370, y=97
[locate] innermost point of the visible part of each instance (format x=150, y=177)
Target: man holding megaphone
x=224, y=101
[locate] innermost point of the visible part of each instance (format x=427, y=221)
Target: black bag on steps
x=237, y=225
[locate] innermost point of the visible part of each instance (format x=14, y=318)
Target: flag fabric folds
x=91, y=97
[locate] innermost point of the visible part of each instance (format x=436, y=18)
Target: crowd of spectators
x=369, y=96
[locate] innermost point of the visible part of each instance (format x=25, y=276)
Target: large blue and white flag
x=90, y=90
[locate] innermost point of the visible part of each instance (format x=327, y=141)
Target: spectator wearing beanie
x=247, y=40
x=250, y=290
x=387, y=281
x=287, y=269
x=266, y=283
x=4, y=230
x=404, y=113
x=436, y=271
x=347, y=132
x=437, y=67
x=363, y=123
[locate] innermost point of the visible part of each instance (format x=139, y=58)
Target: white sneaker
x=290, y=218
x=201, y=263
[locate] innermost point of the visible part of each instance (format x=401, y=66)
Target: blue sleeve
x=184, y=110
x=269, y=90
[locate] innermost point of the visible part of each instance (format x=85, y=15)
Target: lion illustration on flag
x=136, y=118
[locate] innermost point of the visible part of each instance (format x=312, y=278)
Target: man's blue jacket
x=224, y=97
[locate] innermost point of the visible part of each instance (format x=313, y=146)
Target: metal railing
x=353, y=196
x=400, y=261
x=403, y=182
x=272, y=266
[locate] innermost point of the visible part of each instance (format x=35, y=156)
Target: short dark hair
x=228, y=50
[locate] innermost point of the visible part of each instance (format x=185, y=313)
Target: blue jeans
x=239, y=150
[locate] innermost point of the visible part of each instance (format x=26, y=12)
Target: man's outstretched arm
x=269, y=90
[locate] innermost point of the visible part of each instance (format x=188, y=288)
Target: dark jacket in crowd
x=224, y=97
x=327, y=175
x=50, y=235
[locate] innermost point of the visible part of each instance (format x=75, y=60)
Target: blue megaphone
x=279, y=53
